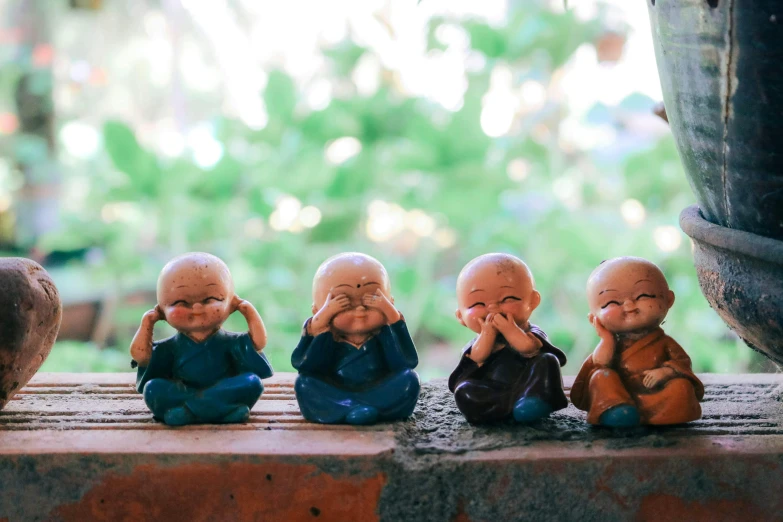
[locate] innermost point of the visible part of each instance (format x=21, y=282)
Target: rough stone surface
x=84, y=447
x=30, y=314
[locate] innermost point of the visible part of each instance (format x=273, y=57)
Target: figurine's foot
x=361, y=415
x=529, y=409
x=238, y=414
x=622, y=416
x=179, y=416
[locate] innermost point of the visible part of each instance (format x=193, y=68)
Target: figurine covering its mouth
x=510, y=369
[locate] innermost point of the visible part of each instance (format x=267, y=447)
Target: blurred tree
x=422, y=186
x=34, y=144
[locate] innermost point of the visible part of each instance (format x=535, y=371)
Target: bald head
x=624, y=271
x=193, y=271
x=349, y=272
x=195, y=292
x=629, y=294
x=496, y=265
x=495, y=283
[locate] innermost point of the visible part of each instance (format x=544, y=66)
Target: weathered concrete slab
x=84, y=447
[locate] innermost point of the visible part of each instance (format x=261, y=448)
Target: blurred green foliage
x=417, y=155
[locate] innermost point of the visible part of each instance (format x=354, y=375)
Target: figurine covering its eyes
x=510, y=369
x=637, y=373
x=355, y=358
x=203, y=374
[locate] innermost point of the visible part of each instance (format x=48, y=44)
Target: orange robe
x=597, y=388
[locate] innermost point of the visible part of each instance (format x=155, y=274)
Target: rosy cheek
x=343, y=318
x=514, y=309
x=177, y=314
x=215, y=309
x=477, y=312
x=610, y=314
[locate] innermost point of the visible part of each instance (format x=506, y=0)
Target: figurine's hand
x=236, y=302
x=488, y=328
x=379, y=301
x=527, y=344
x=504, y=325
x=653, y=378
x=334, y=305
x=141, y=346
x=485, y=342
x=242, y=306
x=523, y=342
x=600, y=329
x=153, y=316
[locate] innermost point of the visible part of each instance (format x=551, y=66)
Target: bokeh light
x=668, y=238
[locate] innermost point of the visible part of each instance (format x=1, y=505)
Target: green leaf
x=280, y=96
x=336, y=227
x=486, y=39
x=129, y=157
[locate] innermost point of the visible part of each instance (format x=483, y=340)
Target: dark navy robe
x=489, y=392
x=211, y=378
x=335, y=377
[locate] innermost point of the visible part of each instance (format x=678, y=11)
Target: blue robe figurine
x=340, y=383
x=214, y=381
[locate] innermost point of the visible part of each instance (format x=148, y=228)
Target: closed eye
x=645, y=295
x=511, y=298
x=476, y=304
x=180, y=302
x=211, y=299
x=611, y=302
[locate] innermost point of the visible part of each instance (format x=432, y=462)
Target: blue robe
x=211, y=378
x=335, y=377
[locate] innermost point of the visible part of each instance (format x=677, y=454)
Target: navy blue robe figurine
x=356, y=357
x=510, y=370
x=202, y=374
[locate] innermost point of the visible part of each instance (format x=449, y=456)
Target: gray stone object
x=30, y=315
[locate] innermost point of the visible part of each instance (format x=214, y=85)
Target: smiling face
x=354, y=275
x=195, y=292
x=495, y=283
x=629, y=295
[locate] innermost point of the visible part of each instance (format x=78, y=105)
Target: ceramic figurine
x=355, y=358
x=30, y=315
x=203, y=374
x=509, y=369
x=637, y=373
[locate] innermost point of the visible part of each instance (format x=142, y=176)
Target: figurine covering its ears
x=510, y=369
x=355, y=357
x=637, y=373
x=203, y=374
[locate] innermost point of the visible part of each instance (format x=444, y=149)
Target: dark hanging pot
x=741, y=275
x=721, y=69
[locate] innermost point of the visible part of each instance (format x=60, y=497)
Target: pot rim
x=738, y=241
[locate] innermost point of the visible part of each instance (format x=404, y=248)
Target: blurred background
x=275, y=134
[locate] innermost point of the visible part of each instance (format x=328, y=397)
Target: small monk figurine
x=356, y=357
x=202, y=374
x=510, y=369
x=637, y=373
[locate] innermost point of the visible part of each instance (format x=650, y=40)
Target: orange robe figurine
x=637, y=374
x=597, y=389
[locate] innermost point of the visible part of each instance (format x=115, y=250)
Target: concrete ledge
x=84, y=447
